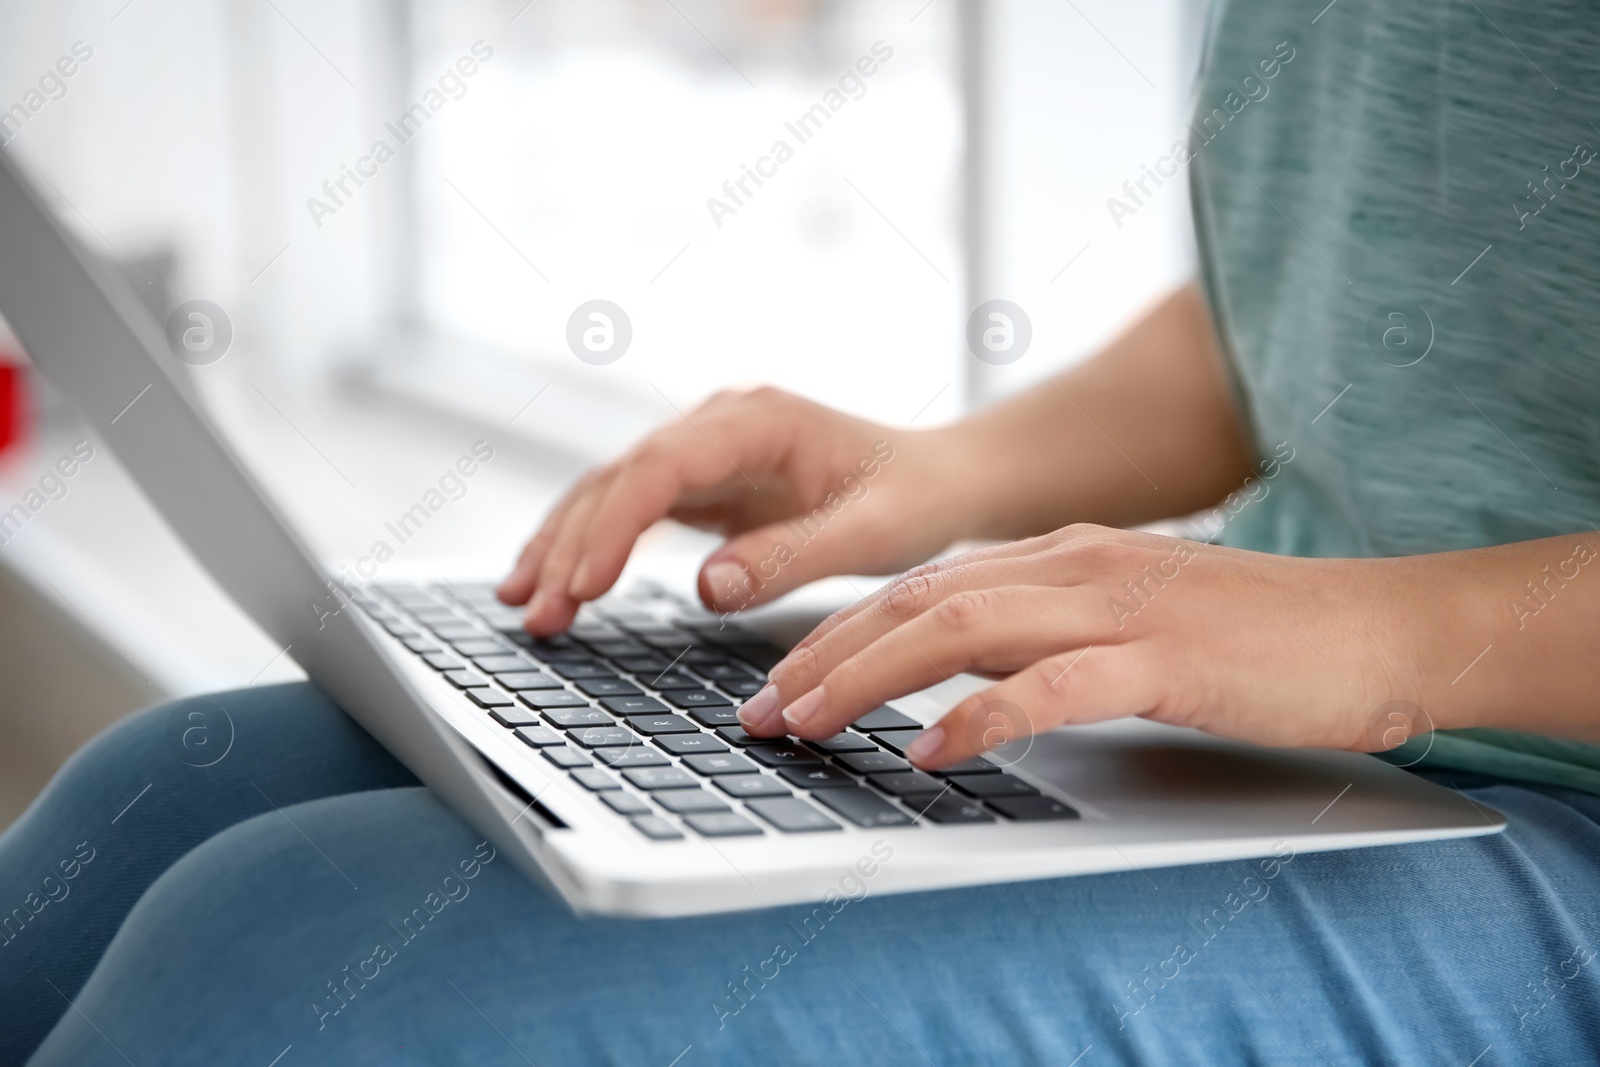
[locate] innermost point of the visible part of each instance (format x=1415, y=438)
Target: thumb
x=759, y=566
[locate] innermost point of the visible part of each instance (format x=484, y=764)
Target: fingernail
x=926, y=744
x=729, y=584
x=797, y=713
x=757, y=712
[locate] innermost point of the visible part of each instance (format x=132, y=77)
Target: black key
x=443, y=661
x=783, y=754
x=646, y=667
x=421, y=645
x=951, y=807
x=691, y=802
x=690, y=744
x=632, y=705
x=644, y=631
x=860, y=806
x=566, y=756
x=625, y=803
x=725, y=672
x=721, y=715
x=735, y=735
x=714, y=763
x=656, y=828
x=975, y=765
x=792, y=815
x=841, y=743
x=594, y=630
x=906, y=783
x=489, y=698
x=607, y=687
x=478, y=646
x=896, y=740
x=704, y=657
x=552, y=698
x=465, y=679
x=601, y=736
x=722, y=824
x=662, y=724
x=457, y=631
x=817, y=777
x=1032, y=809
x=581, y=669
x=762, y=657
x=569, y=718
x=556, y=646
x=505, y=661
x=539, y=736
x=670, y=680
x=886, y=718
x=750, y=785
x=873, y=762
x=527, y=679
x=668, y=640
x=514, y=716
x=507, y=623
x=614, y=649
x=653, y=778
x=993, y=785
x=694, y=698
x=596, y=779
x=748, y=687
x=632, y=756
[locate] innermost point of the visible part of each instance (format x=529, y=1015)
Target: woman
x=1397, y=223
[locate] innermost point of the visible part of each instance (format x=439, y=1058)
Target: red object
x=13, y=401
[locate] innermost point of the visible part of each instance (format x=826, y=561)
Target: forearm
x=1147, y=429
x=1518, y=645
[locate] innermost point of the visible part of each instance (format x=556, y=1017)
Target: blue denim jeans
x=248, y=876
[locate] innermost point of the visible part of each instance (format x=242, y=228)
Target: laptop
x=607, y=762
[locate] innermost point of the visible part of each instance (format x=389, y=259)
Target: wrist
x=978, y=485
x=1456, y=639
x=1511, y=646
x=970, y=481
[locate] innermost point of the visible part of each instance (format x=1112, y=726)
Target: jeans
x=249, y=876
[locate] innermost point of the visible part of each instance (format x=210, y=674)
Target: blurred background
x=391, y=306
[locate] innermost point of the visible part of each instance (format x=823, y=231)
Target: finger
x=1076, y=555
x=994, y=629
x=518, y=585
x=551, y=609
x=757, y=567
x=721, y=452
x=929, y=571
x=907, y=601
x=1082, y=685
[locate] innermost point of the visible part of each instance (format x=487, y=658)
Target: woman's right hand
x=800, y=491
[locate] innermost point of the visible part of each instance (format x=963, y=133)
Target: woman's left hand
x=1089, y=623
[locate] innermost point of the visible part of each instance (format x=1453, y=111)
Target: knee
x=196, y=731
x=243, y=937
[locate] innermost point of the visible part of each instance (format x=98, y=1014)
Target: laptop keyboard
x=638, y=702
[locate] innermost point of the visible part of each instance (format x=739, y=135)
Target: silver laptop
x=608, y=761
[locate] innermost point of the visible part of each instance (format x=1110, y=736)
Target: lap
x=353, y=927
x=136, y=799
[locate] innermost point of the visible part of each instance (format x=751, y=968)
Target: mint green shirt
x=1399, y=224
